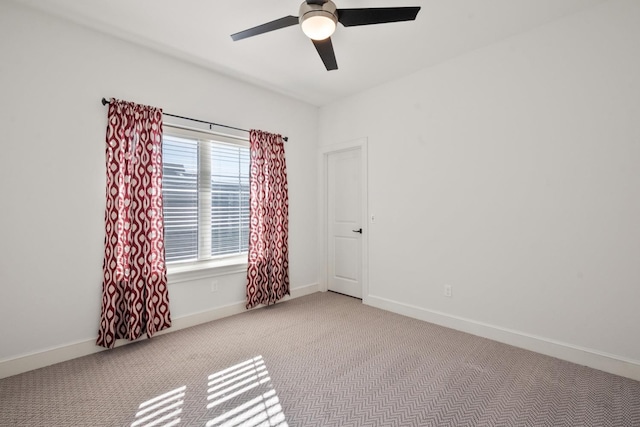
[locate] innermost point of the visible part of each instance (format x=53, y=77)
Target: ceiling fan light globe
x=318, y=25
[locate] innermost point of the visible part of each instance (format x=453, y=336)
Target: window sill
x=179, y=273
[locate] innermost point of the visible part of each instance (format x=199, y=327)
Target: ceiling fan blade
x=287, y=21
x=325, y=50
x=377, y=15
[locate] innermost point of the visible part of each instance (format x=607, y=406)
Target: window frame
x=184, y=271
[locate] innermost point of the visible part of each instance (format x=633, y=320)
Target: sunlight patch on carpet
x=161, y=410
x=240, y=383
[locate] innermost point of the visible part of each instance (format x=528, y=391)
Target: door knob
x=359, y=230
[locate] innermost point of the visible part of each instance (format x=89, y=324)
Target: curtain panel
x=134, y=290
x=268, y=269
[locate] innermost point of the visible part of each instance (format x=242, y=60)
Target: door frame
x=362, y=145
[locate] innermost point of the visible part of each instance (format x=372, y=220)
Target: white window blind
x=206, y=198
x=229, y=199
x=180, y=198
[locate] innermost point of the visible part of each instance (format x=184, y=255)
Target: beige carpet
x=320, y=360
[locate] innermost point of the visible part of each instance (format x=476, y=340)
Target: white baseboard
x=52, y=356
x=582, y=356
x=302, y=291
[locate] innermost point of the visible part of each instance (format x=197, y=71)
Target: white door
x=344, y=239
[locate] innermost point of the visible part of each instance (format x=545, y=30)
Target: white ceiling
x=286, y=61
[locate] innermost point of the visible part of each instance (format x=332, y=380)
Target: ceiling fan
x=318, y=19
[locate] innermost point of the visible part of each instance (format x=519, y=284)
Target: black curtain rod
x=105, y=102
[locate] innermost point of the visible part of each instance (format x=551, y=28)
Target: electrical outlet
x=448, y=291
x=214, y=286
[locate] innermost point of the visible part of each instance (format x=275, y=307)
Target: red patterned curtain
x=134, y=289
x=268, y=271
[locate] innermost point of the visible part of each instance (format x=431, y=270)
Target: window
x=206, y=196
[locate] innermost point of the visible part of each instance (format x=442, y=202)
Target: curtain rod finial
x=104, y=101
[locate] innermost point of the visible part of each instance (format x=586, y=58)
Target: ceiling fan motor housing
x=316, y=19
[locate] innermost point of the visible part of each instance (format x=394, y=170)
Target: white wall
x=52, y=129
x=512, y=173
